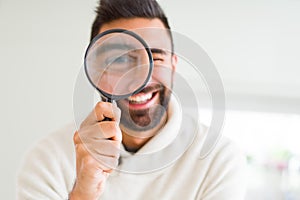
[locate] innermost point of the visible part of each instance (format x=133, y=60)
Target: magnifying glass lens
x=118, y=64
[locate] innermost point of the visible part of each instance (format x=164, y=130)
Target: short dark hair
x=110, y=10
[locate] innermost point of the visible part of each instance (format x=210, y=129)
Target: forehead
x=152, y=31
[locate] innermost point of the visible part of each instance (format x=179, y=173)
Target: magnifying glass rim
x=148, y=50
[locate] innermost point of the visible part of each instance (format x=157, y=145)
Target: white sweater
x=158, y=170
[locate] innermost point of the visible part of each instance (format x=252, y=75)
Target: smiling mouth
x=145, y=96
x=140, y=98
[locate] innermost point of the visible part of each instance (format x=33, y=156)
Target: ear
x=174, y=61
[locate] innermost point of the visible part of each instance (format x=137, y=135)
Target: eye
x=119, y=59
x=158, y=59
x=121, y=63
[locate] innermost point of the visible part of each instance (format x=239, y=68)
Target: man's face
x=146, y=110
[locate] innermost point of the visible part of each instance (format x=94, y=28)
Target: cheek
x=163, y=74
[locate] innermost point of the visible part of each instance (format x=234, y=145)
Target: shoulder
x=227, y=154
x=59, y=143
x=217, y=147
x=220, y=151
x=48, y=168
x=225, y=166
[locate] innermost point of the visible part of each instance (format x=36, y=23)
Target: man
x=139, y=125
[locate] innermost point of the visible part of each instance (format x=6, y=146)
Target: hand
x=97, y=145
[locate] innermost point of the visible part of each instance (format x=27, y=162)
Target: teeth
x=141, y=98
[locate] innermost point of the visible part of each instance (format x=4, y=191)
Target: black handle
x=110, y=101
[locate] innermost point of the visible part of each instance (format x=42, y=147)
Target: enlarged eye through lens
x=122, y=63
x=118, y=63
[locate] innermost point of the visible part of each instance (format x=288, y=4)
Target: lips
x=146, y=98
x=140, y=98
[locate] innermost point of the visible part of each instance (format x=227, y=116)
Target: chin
x=145, y=110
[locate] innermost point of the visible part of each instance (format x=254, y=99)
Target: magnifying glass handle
x=106, y=118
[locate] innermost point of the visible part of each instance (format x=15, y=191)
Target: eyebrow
x=109, y=47
x=158, y=51
x=116, y=46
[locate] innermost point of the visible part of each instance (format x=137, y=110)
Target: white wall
x=42, y=43
x=254, y=44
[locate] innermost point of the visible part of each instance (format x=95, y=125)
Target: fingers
x=106, y=109
x=91, y=176
x=101, y=111
x=97, y=145
x=100, y=131
x=101, y=141
x=88, y=159
x=108, y=148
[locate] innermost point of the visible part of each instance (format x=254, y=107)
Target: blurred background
x=254, y=44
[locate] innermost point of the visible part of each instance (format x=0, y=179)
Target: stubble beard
x=147, y=119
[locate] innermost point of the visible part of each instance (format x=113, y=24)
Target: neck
x=134, y=140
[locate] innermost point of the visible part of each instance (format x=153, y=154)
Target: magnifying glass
x=118, y=63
